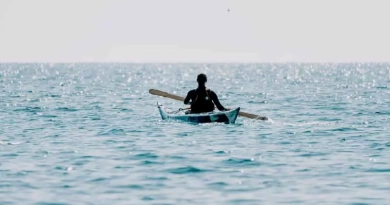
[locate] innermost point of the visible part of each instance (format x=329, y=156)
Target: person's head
x=202, y=79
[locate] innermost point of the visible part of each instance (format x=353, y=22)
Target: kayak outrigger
x=228, y=117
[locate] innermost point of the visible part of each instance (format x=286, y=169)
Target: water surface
x=92, y=134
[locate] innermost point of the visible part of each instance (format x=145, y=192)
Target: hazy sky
x=194, y=30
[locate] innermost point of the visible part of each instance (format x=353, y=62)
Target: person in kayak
x=202, y=98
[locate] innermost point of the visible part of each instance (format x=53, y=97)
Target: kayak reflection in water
x=202, y=98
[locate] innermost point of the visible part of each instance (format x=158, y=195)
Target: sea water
x=90, y=133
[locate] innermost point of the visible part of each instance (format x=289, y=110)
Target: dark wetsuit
x=203, y=100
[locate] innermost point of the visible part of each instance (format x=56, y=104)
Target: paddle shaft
x=176, y=97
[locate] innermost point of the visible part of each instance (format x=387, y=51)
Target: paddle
x=176, y=97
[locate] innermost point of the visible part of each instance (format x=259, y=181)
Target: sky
x=194, y=31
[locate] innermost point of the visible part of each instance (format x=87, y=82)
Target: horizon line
x=191, y=62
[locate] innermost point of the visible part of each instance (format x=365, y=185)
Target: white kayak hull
x=228, y=117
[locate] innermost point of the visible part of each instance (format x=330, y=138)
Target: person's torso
x=201, y=101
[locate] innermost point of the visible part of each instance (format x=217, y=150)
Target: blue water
x=92, y=134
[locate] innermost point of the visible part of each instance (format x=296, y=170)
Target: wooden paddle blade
x=252, y=116
x=165, y=94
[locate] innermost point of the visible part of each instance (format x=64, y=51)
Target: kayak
x=228, y=117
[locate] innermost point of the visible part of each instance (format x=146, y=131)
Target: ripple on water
x=147, y=155
x=186, y=170
x=67, y=109
x=241, y=162
x=218, y=185
x=113, y=132
x=149, y=162
x=29, y=109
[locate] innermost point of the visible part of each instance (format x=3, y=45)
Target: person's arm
x=214, y=97
x=188, y=98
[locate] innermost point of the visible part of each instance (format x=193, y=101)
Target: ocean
x=90, y=133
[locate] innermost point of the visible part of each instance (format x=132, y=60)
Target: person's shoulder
x=211, y=91
x=208, y=89
x=192, y=91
